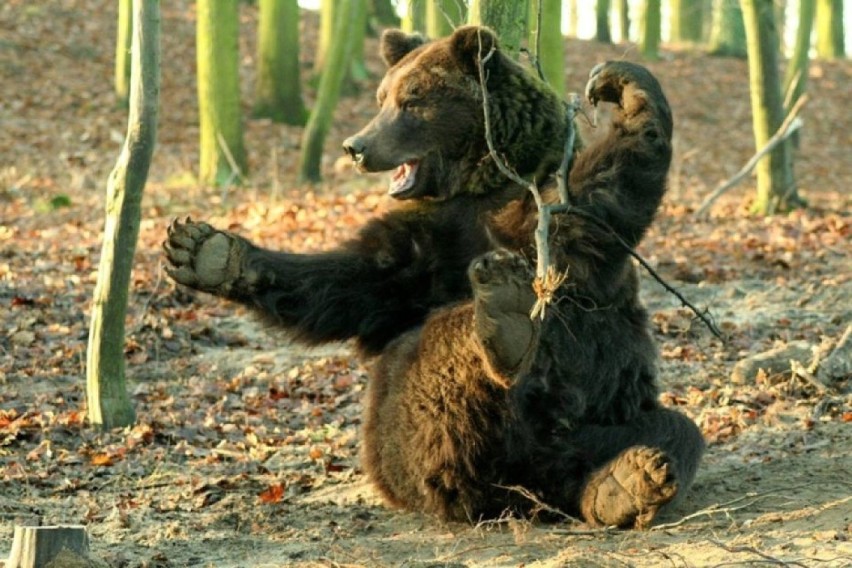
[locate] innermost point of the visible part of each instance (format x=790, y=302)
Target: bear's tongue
x=403, y=178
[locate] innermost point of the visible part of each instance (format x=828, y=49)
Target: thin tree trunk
x=727, y=37
x=829, y=24
x=796, y=78
x=442, y=16
x=122, y=51
x=551, y=55
x=687, y=20
x=384, y=13
x=623, y=8
x=650, y=30
x=278, y=93
x=357, y=66
x=328, y=92
x=507, y=17
x=223, y=155
x=573, y=18
x=776, y=189
x=415, y=16
x=602, y=33
x=326, y=35
x=106, y=395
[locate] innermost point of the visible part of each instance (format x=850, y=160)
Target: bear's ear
x=469, y=42
x=396, y=44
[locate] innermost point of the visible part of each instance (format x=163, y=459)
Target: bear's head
x=430, y=128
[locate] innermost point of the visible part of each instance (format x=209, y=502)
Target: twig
x=724, y=508
x=236, y=172
x=752, y=550
x=548, y=278
x=539, y=504
x=788, y=127
x=801, y=371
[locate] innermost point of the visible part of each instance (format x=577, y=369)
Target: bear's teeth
x=403, y=177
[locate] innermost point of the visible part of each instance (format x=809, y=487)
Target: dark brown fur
x=468, y=396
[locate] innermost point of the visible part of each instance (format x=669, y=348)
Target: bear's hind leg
x=503, y=300
x=644, y=464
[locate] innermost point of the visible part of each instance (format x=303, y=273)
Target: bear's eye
x=411, y=103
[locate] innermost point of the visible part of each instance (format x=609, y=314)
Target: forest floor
x=245, y=448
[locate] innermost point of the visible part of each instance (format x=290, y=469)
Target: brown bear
x=470, y=398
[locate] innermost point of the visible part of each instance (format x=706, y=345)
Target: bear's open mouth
x=403, y=178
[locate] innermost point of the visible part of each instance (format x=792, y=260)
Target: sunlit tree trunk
x=223, y=156
x=573, y=18
x=796, y=78
x=107, y=402
x=727, y=36
x=278, y=94
x=623, y=9
x=650, y=29
x=829, y=29
x=549, y=38
x=442, y=16
x=776, y=189
x=507, y=17
x=326, y=34
x=328, y=92
x=602, y=33
x=122, y=51
x=415, y=16
x=687, y=20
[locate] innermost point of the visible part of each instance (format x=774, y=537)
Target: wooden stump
x=35, y=547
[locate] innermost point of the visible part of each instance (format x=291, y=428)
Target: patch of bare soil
x=245, y=451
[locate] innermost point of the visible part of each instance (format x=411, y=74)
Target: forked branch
x=548, y=278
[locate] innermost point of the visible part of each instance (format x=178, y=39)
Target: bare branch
x=790, y=124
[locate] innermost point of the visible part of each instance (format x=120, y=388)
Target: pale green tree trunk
x=602, y=33
x=442, y=16
x=650, y=28
x=507, y=17
x=776, y=189
x=384, y=13
x=573, y=18
x=829, y=29
x=727, y=36
x=796, y=78
x=222, y=153
x=122, y=51
x=328, y=92
x=357, y=66
x=415, y=16
x=687, y=20
x=278, y=93
x=107, y=402
x=326, y=34
x=551, y=56
x=623, y=9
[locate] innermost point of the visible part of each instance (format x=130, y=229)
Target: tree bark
x=687, y=20
x=223, y=155
x=328, y=92
x=829, y=24
x=106, y=395
x=443, y=16
x=357, y=66
x=415, y=16
x=623, y=9
x=650, y=30
x=507, y=17
x=326, y=35
x=122, y=51
x=796, y=78
x=278, y=93
x=727, y=36
x=551, y=55
x=602, y=33
x=37, y=547
x=776, y=189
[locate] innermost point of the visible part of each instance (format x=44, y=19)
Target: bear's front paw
x=630, y=489
x=503, y=300
x=203, y=258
